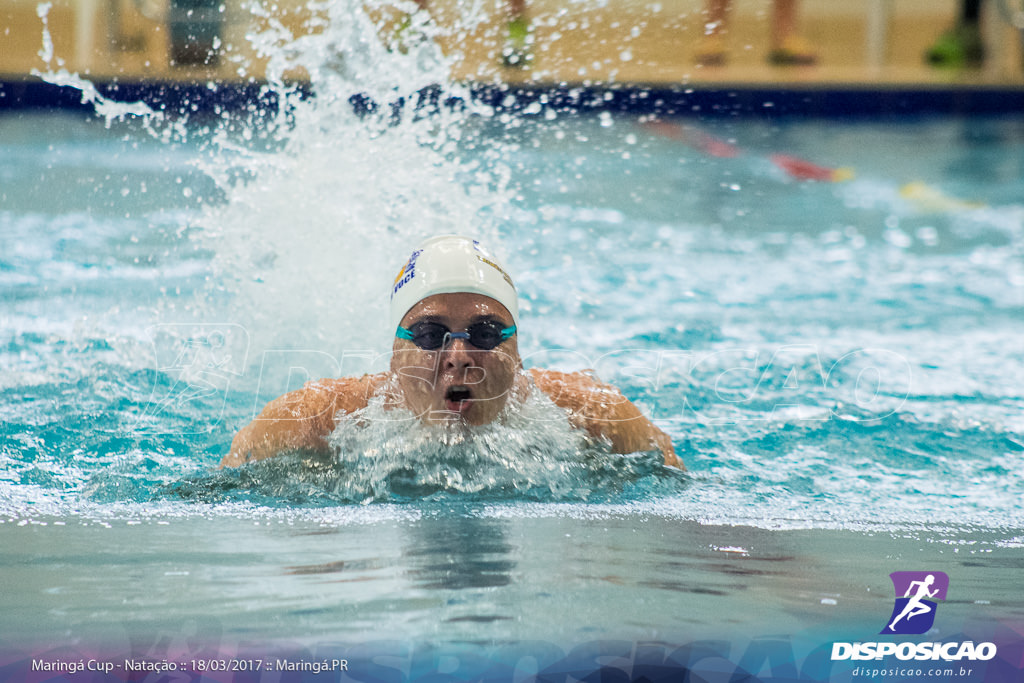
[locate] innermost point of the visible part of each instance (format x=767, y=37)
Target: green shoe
x=516, y=52
x=398, y=39
x=957, y=48
x=794, y=51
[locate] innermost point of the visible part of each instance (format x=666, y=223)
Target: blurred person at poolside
x=455, y=360
x=787, y=46
x=515, y=52
x=960, y=46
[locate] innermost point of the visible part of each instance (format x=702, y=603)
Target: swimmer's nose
x=457, y=354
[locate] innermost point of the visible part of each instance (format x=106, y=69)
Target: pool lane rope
x=923, y=197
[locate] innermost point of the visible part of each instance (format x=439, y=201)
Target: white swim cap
x=451, y=264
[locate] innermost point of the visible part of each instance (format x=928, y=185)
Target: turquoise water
x=839, y=369
x=823, y=354
x=839, y=366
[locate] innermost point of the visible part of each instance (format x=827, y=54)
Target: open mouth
x=457, y=399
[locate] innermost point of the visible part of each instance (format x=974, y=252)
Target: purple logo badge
x=916, y=593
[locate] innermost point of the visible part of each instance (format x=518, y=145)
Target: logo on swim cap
x=407, y=273
x=494, y=265
x=451, y=264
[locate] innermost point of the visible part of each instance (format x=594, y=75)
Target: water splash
x=327, y=197
x=320, y=193
x=384, y=455
x=319, y=197
x=109, y=110
x=324, y=188
x=529, y=453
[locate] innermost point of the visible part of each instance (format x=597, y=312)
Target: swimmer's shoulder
x=321, y=400
x=602, y=410
x=348, y=394
x=573, y=389
x=303, y=418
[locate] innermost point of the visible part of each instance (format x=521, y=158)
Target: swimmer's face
x=458, y=381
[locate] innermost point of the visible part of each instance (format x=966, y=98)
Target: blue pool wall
x=705, y=101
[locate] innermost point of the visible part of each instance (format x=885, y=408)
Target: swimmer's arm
x=300, y=420
x=604, y=412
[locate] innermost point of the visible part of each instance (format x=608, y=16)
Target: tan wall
x=597, y=40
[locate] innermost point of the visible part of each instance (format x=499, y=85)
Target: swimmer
x=455, y=359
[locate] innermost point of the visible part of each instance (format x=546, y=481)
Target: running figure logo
x=916, y=593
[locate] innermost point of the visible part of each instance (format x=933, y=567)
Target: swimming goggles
x=429, y=336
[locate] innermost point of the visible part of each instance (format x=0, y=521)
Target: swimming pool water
x=838, y=364
x=839, y=369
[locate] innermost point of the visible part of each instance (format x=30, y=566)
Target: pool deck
x=619, y=54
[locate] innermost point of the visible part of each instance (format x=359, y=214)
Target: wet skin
x=457, y=381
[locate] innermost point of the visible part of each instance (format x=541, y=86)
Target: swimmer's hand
x=603, y=411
